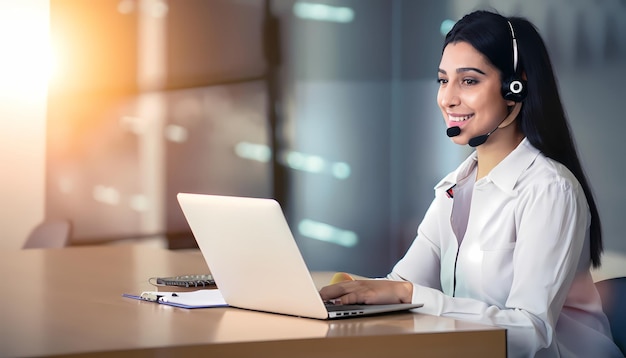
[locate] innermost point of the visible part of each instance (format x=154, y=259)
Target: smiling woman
x=512, y=233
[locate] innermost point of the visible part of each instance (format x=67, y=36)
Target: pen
x=150, y=296
x=154, y=297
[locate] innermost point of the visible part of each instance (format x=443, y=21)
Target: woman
x=512, y=233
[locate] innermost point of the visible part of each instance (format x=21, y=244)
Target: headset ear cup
x=514, y=90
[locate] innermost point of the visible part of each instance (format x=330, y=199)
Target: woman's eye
x=469, y=81
x=442, y=81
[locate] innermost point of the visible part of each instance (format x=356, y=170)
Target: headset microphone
x=476, y=141
x=473, y=142
x=453, y=131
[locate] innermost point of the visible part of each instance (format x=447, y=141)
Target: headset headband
x=514, y=46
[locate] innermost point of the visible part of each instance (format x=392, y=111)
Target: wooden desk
x=67, y=302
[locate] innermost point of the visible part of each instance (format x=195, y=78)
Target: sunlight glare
x=26, y=61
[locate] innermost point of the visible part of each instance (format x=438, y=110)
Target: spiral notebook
x=183, y=283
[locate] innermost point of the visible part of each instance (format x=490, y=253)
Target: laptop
x=255, y=261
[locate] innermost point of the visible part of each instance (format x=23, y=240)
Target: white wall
x=23, y=68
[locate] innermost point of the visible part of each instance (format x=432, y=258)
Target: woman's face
x=469, y=92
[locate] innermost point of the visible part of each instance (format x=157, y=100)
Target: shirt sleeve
x=422, y=262
x=552, y=225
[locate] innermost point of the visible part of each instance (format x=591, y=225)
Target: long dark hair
x=542, y=118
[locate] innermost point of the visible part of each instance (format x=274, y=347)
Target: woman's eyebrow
x=463, y=69
x=470, y=69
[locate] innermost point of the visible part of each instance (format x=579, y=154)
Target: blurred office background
x=327, y=106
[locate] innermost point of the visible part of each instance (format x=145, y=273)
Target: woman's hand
x=368, y=292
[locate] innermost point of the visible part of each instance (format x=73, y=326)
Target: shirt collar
x=465, y=169
x=505, y=175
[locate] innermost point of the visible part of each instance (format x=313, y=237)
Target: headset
x=514, y=88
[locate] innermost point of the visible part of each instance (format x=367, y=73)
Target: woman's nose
x=448, y=96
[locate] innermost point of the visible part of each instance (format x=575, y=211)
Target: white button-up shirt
x=523, y=261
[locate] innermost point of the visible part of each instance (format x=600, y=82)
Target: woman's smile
x=456, y=118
